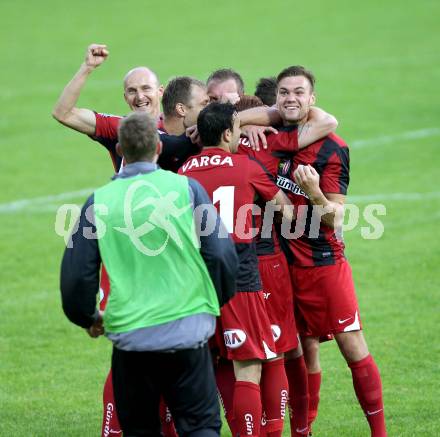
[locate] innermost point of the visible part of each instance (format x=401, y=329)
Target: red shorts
x=325, y=300
x=243, y=328
x=277, y=288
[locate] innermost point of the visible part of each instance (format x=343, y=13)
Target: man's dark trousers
x=185, y=379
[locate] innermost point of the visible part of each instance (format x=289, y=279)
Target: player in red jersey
x=325, y=297
x=142, y=92
x=274, y=273
x=244, y=334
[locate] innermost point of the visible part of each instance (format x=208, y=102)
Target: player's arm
x=268, y=191
x=65, y=110
x=319, y=124
x=332, y=204
x=79, y=281
x=286, y=207
x=262, y=116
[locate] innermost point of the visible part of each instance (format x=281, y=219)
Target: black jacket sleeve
x=216, y=246
x=80, y=271
x=176, y=149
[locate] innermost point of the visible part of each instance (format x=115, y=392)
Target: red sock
x=274, y=396
x=110, y=421
x=247, y=408
x=314, y=380
x=224, y=375
x=296, y=372
x=166, y=420
x=368, y=387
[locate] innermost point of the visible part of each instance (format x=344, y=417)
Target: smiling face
x=294, y=98
x=142, y=91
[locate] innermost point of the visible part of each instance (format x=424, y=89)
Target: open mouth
x=142, y=105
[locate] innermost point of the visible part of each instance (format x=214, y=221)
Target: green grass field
x=378, y=71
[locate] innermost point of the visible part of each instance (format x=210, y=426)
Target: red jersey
x=330, y=157
x=106, y=133
x=175, y=148
x=233, y=181
x=279, y=152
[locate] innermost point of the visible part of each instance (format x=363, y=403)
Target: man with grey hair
x=166, y=290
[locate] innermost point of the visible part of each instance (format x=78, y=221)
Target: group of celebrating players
x=294, y=284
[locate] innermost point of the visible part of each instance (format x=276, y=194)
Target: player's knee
x=311, y=354
x=294, y=353
x=248, y=371
x=352, y=345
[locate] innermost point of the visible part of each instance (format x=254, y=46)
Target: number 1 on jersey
x=225, y=197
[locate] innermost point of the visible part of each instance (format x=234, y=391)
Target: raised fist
x=96, y=55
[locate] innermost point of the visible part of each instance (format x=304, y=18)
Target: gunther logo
x=249, y=423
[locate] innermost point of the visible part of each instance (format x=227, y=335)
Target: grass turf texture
x=378, y=71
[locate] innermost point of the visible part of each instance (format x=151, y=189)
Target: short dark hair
x=138, y=136
x=266, y=90
x=224, y=74
x=247, y=102
x=213, y=121
x=297, y=70
x=177, y=91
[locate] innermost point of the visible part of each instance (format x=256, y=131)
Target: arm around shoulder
x=319, y=124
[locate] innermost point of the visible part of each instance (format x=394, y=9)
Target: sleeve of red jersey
x=262, y=181
x=284, y=141
x=335, y=176
x=107, y=126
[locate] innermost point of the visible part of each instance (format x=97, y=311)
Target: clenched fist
x=96, y=55
x=307, y=179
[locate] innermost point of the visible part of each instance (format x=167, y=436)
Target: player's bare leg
x=298, y=391
x=247, y=398
x=352, y=345
x=366, y=379
x=311, y=356
x=274, y=396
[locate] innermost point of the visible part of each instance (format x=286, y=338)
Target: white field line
x=388, y=139
x=42, y=202
x=52, y=202
x=383, y=197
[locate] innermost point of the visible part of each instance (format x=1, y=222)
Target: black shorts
x=184, y=378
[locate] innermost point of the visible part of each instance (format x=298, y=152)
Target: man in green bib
x=171, y=266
